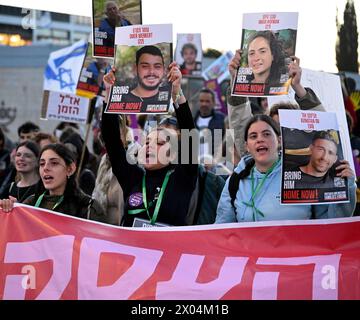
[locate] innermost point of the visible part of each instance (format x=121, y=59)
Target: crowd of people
x=147, y=182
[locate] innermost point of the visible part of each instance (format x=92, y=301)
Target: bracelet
x=178, y=95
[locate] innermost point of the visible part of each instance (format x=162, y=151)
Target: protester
x=160, y=193
x=26, y=165
x=27, y=131
x=43, y=139
x=62, y=127
x=57, y=168
x=207, y=120
x=4, y=159
x=253, y=192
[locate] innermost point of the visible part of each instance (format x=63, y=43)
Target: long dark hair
x=278, y=65
x=64, y=153
x=259, y=117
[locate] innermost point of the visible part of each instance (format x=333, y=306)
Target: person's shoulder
x=243, y=162
x=219, y=115
x=104, y=23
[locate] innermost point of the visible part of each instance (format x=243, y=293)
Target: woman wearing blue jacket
x=258, y=190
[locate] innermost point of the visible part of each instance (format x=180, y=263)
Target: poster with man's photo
x=142, y=57
x=311, y=151
x=188, y=54
x=267, y=44
x=90, y=83
x=108, y=15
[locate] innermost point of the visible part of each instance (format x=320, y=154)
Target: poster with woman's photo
x=188, y=54
x=142, y=57
x=90, y=83
x=108, y=15
x=312, y=152
x=268, y=42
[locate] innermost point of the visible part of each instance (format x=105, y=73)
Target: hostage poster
x=268, y=42
x=219, y=68
x=312, y=151
x=143, y=54
x=188, y=54
x=107, y=16
x=90, y=83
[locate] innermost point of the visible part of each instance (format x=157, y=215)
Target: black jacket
x=78, y=205
x=175, y=204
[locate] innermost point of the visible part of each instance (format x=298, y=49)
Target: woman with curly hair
x=266, y=58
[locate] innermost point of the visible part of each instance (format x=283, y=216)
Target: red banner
x=45, y=255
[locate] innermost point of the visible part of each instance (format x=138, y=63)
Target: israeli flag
x=63, y=69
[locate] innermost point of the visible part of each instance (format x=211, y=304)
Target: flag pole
x=88, y=127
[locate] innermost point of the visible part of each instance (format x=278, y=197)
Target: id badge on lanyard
x=143, y=223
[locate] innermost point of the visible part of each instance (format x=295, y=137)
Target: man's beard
x=146, y=87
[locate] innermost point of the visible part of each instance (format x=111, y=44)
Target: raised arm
x=184, y=118
x=239, y=109
x=305, y=97
x=126, y=173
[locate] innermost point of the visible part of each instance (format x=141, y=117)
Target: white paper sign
x=138, y=35
x=67, y=107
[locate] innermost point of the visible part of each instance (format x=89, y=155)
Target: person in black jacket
x=61, y=193
x=158, y=192
x=209, y=122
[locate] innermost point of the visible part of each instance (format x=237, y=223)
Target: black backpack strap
x=234, y=187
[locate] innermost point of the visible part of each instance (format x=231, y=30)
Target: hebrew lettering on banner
x=69, y=258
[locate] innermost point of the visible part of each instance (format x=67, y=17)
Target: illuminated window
x=13, y=40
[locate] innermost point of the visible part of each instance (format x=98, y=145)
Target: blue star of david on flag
x=63, y=68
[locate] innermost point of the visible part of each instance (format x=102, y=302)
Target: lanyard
x=255, y=191
x=158, y=202
x=38, y=201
